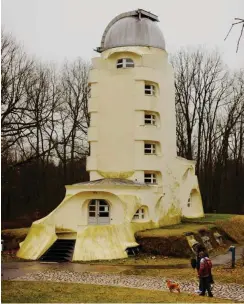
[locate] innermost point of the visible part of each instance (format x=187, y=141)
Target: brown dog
x=172, y=286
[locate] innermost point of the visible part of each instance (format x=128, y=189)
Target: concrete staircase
x=60, y=251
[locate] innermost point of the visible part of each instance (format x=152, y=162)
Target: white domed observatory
x=137, y=182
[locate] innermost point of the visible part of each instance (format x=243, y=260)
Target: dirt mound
x=175, y=246
x=12, y=237
x=159, y=243
x=234, y=227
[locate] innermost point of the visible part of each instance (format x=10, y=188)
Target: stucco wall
x=117, y=106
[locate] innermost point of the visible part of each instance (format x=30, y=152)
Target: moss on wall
x=171, y=217
x=39, y=238
x=126, y=174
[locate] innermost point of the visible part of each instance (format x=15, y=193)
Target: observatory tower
x=132, y=108
x=137, y=182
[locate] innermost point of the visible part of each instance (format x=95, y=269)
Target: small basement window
x=149, y=148
x=150, y=119
x=150, y=178
x=140, y=214
x=125, y=63
x=150, y=89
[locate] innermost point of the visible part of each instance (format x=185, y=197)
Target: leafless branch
x=241, y=21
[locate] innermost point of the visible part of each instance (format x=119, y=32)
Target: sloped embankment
x=174, y=240
x=234, y=227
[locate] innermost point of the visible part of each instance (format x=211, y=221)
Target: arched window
x=125, y=63
x=141, y=214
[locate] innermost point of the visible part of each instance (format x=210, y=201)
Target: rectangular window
x=150, y=119
x=150, y=178
x=149, y=148
x=149, y=89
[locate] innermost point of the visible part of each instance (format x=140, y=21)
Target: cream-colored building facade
x=137, y=181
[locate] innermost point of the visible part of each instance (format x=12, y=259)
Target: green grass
x=12, y=238
x=140, y=260
x=174, y=230
x=221, y=274
x=19, y=233
x=209, y=218
x=49, y=292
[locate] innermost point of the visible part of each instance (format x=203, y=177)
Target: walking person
x=195, y=263
x=205, y=274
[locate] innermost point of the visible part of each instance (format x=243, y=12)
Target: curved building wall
x=117, y=106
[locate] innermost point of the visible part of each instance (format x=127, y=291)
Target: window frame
x=151, y=148
x=124, y=63
x=140, y=214
x=150, y=178
x=149, y=89
x=151, y=120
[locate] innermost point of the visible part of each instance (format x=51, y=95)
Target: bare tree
x=16, y=68
x=200, y=83
x=209, y=106
x=240, y=22
x=73, y=114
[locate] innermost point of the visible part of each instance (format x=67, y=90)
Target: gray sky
x=53, y=30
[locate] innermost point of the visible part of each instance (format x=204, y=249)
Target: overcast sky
x=53, y=30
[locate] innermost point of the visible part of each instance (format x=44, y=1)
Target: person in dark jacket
x=196, y=264
x=204, y=274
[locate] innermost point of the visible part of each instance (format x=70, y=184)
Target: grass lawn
x=7, y=257
x=141, y=260
x=221, y=274
x=49, y=292
x=17, y=233
x=174, y=230
x=210, y=218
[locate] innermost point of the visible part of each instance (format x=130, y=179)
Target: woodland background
x=44, y=121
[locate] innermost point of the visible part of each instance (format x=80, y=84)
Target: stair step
x=60, y=251
x=56, y=256
x=62, y=248
x=65, y=241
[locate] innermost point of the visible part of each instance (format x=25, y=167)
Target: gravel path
x=225, y=291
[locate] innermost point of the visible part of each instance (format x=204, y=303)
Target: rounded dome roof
x=136, y=28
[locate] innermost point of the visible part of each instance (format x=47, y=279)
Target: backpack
x=193, y=263
x=208, y=264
